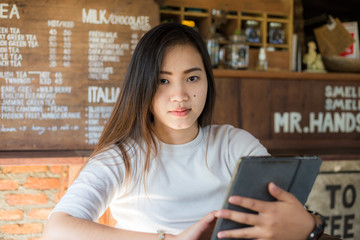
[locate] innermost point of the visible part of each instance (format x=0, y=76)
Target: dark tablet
x=253, y=174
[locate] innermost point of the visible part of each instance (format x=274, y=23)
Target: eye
x=193, y=78
x=163, y=81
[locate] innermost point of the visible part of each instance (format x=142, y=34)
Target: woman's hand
x=282, y=219
x=201, y=230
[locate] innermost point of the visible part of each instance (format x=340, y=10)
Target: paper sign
x=333, y=39
x=353, y=50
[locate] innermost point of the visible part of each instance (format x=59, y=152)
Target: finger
x=249, y=203
x=279, y=193
x=195, y=230
x=240, y=217
x=209, y=217
x=249, y=232
x=206, y=221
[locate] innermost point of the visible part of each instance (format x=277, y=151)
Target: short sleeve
x=92, y=192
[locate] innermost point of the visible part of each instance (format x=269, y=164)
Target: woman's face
x=181, y=94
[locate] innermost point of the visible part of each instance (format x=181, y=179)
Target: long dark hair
x=131, y=119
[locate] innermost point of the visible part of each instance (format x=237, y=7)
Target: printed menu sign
x=61, y=68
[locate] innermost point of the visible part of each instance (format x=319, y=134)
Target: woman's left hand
x=283, y=219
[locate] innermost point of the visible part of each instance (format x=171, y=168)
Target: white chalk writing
x=342, y=106
x=95, y=16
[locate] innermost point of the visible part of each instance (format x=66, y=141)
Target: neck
x=175, y=136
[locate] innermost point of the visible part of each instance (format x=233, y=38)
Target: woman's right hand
x=201, y=230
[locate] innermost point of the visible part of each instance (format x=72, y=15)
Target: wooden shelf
x=259, y=19
x=238, y=12
x=170, y=12
x=277, y=45
x=279, y=20
x=233, y=17
x=255, y=44
x=225, y=73
x=194, y=14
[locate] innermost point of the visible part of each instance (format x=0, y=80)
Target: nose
x=179, y=92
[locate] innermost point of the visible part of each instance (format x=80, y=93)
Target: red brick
x=24, y=169
x=42, y=183
x=40, y=213
x=26, y=199
x=17, y=229
x=57, y=197
x=7, y=184
x=11, y=214
x=56, y=169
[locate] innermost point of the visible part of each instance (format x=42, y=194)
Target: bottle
x=212, y=45
x=262, y=63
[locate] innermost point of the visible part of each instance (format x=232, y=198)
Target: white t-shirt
x=185, y=182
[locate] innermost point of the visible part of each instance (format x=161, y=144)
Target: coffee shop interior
x=287, y=71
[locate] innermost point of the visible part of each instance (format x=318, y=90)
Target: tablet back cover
x=252, y=175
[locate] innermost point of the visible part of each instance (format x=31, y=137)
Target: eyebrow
x=185, y=72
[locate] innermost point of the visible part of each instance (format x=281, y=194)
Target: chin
x=181, y=126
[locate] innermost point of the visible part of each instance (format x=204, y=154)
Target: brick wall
x=27, y=195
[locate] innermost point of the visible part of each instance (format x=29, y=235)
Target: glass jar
x=276, y=33
x=252, y=31
x=236, y=54
x=213, y=47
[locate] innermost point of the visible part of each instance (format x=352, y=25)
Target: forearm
x=63, y=226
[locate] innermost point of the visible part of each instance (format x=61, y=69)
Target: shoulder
x=235, y=140
x=107, y=162
x=110, y=154
x=113, y=154
x=104, y=168
x=228, y=131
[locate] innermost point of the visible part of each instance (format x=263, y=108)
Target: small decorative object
x=252, y=31
x=313, y=60
x=276, y=33
x=236, y=54
x=262, y=63
x=335, y=63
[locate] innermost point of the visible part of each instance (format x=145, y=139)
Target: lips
x=180, y=112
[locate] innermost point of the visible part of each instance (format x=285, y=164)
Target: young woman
x=161, y=166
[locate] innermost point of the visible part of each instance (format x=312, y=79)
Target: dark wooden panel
x=255, y=102
x=227, y=107
x=298, y=116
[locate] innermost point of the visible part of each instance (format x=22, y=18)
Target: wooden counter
x=226, y=73
x=29, y=158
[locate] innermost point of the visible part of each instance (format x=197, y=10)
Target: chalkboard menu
x=61, y=67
